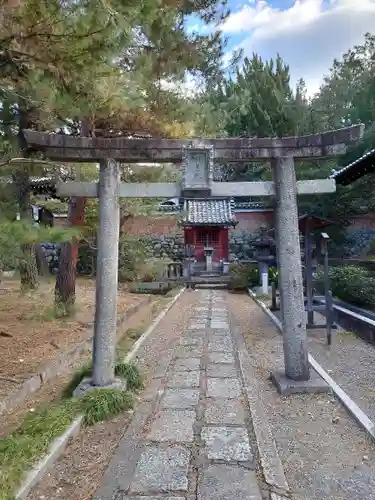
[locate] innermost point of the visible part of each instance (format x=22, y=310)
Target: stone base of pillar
x=86, y=386
x=265, y=283
x=286, y=386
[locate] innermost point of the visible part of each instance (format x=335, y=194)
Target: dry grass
x=30, y=334
x=78, y=473
x=20, y=453
x=54, y=389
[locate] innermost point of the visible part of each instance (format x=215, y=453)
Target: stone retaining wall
x=52, y=254
x=240, y=245
x=161, y=246
x=171, y=246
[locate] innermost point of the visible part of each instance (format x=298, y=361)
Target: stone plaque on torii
x=197, y=157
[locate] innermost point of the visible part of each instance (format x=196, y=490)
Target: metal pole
x=290, y=271
x=107, y=274
x=329, y=316
x=328, y=295
x=308, y=271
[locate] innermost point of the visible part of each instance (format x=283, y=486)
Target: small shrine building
x=206, y=223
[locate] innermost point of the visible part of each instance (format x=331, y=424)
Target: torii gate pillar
x=297, y=376
x=280, y=151
x=290, y=271
x=106, y=275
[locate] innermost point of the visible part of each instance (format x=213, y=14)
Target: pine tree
x=104, y=64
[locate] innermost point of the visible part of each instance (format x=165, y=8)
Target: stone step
x=212, y=286
x=208, y=275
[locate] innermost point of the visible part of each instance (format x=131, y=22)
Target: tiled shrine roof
x=209, y=212
x=236, y=206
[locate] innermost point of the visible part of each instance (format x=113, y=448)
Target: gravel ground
x=350, y=362
x=77, y=474
x=324, y=453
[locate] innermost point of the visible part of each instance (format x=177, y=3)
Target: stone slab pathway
x=191, y=437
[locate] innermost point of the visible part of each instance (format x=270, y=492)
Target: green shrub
x=86, y=264
x=151, y=270
x=273, y=275
x=128, y=371
x=242, y=277
x=101, y=404
x=353, y=284
x=132, y=253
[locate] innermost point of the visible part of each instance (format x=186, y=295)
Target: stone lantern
x=265, y=246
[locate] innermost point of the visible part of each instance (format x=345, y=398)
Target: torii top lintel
x=61, y=147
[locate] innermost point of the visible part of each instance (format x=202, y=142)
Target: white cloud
x=189, y=87
x=308, y=35
x=194, y=28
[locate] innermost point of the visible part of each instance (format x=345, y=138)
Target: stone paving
x=196, y=442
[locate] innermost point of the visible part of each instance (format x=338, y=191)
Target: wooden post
x=278, y=231
x=273, y=297
x=290, y=271
x=328, y=293
x=107, y=274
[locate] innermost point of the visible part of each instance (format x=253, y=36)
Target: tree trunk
x=65, y=288
x=41, y=262
x=21, y=179
x=28, y=268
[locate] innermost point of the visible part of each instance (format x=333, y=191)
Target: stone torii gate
x=197, y=157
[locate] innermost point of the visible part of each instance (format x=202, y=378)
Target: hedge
x=352, y=284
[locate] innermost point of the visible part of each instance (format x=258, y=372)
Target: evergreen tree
x=98, y=68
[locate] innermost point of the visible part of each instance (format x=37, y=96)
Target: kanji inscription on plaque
x=196, y=173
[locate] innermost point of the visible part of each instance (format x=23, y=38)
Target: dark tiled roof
x=355, y=170
x=209, y=212
x=315, y=223
x=237, y=204
x=38, y=185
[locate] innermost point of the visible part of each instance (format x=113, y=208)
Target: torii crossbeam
x=197, y=157
x=82, y=149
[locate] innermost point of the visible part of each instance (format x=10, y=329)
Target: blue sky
x=308, y=34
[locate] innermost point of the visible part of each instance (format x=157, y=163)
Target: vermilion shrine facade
x=206, y=224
